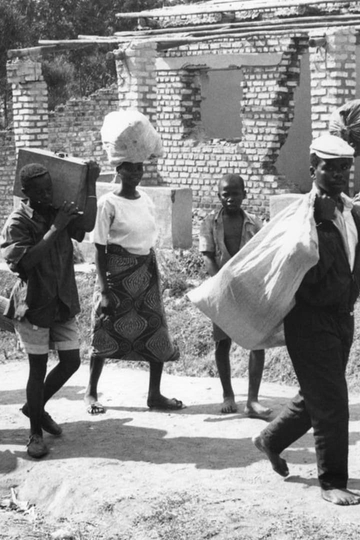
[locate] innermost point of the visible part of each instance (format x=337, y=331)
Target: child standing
x=222, y=234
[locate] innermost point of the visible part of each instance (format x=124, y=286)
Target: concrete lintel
x=219, y=61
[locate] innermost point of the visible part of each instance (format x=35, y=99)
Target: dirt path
x=132, y=473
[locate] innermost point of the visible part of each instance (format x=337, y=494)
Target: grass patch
x=192, y=331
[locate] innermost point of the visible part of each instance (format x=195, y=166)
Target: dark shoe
x=36, y=447
x=47, y=423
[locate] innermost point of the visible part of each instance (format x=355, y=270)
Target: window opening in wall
x=293, y=160
x=221, y=94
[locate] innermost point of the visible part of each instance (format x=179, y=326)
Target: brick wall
x=29, y=101
x=332, y=65
x=74, y=128
x=139, y=91
x=7, y=171
x=171, y=97
x=267, y=110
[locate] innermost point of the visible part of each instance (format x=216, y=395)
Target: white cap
x=331, y=147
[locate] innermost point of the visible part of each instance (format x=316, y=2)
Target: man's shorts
x=218, y=334
x=62, y=336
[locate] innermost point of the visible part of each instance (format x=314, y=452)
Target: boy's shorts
x=218, y=334
x=62, y=336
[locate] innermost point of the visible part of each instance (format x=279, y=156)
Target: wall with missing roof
x=279, y=71
x=271, y=72
x=168, y=86
x=73, y=128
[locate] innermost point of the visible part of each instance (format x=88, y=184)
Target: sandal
x=166, y=405
x=95, y=408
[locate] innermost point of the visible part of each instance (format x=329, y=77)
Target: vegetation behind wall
x=78, y=73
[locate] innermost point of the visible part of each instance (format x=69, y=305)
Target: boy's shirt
x=212, y=238
x=51, y=292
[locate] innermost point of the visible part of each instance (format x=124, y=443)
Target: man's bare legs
x=253, y=408
x=222, y=357
x=40, y=389
x=91, y=394
x=35, y=391
x=36, y=446
x=69, y=362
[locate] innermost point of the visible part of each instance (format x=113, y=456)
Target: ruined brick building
x=231, y=86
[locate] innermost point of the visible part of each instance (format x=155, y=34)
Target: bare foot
x=255, y=410
x=229, y=406
x=343, y=497
x=164, y=404
x=92, y=405
x=278, y=464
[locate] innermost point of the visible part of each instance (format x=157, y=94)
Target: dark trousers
x=319, y=342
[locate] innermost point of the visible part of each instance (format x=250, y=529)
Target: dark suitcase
x=68, y=175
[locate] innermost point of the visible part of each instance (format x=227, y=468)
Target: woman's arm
x=86, y=222
x=100, y=263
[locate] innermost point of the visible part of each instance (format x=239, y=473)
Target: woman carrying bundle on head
x=128, y=316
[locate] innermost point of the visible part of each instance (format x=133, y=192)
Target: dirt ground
x=137, y=474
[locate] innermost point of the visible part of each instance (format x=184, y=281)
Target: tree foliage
x=24, y=22
x=12, y=32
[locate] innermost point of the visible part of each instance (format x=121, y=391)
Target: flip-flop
x=259, y=416
x=170, y=405
x=95, y=408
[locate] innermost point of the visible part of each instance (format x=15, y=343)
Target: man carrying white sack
x=319, y=329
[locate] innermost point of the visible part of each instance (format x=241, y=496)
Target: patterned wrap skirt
x=138, y=329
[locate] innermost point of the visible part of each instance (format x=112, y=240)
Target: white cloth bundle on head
x=345, y=122
x=129, y=136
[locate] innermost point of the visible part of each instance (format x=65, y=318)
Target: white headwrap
x=129, y=136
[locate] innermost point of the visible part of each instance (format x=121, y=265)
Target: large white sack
x=250, y=296
x=128, y=135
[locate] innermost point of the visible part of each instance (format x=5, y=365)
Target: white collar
x=348, y=202
x=26, y=208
